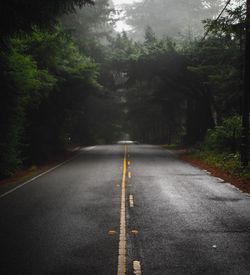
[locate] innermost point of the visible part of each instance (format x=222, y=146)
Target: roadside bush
x=228, y=162
x=226, y=137
x=221, y=148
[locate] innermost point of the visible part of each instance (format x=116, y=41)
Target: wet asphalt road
x=183, y=220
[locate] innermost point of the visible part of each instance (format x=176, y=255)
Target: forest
x=68, y=78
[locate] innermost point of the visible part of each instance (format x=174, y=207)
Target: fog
x=169, y=18
x=120, y=2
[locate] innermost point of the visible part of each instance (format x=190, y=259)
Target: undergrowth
x=221, y=148
x=228, y=162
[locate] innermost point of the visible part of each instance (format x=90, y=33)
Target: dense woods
x=52, y=93
x=67, y=78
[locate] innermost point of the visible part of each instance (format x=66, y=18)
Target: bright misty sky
x=121, y=25
x=120, y=2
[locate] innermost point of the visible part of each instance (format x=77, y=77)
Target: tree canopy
x=67, y=78
x=16, y=15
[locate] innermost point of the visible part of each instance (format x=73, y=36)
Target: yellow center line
x=122, y=238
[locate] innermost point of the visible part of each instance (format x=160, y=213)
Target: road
x=113, y=210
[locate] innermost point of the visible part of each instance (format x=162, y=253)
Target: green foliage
x=22, y=15
x=159, y=89
x=153, y=98
x=76, y=77
x=78, y=83
x=228, y=162
x=50, y=78
x=221, y=148
x=46, y=81
x=90, y=22
x=24, y=72
x=225, y=137
x=104, y=118
x=229, y=25
x=178, y=89
x=21, y=82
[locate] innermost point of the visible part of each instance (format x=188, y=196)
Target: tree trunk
x=245, y=103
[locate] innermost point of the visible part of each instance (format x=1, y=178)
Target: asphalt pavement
x=177, y=218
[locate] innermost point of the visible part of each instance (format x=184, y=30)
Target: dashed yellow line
x=129, y=175
x=137, y=268
x=131, y=201
x=134, y=232
x=112, y=232
x=122, y=238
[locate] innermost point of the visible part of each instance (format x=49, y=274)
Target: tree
x=46, y=83
x=16, y=15
x=23, y=81
x=246, y=97
x=235, y=26
x=47, y=79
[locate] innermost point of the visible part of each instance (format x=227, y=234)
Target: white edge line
x=44, y=173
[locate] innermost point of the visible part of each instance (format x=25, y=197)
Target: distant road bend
x=125, y=209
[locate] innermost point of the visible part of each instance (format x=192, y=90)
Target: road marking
x=135, y=232
x=122, y=238
x=44, y=173
x=131, y=201
x=88, y=148
x=129, y=175
x=137, y=267
x=112, y=232
x=129, y=162
x=220, y=180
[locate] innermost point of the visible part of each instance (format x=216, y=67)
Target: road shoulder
x=32, y=172
x=182, y=154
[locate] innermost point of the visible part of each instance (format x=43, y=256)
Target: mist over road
x=177, y=218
